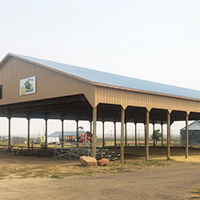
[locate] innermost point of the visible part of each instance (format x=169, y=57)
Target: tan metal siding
x=53, y=84
x=49, y=83
x=139, y=99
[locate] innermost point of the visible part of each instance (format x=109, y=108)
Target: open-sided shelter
x=36, y=88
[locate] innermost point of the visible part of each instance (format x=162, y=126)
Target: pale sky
x=153, y=40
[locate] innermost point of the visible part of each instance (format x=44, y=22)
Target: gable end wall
x=50, y=84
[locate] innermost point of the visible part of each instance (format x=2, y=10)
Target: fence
x=109, y=138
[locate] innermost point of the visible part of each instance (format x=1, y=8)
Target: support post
x=103, y=129
x=115, y=138
x=162, y=133
x=62, y=120
x=186, y=135
x=136, y=134
x=94, y=132
x=144, y=130
x=168, y=135
x=46, y=120
x=28, y=142
x=126, y=134
x=90, y=126
x=122, y=135
x=77, y=130
x=147, y=136
x=9, y=131
x=154, y=142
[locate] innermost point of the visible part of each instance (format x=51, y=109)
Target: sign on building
x=27, y=86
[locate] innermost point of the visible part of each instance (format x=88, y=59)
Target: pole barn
x=36, y=88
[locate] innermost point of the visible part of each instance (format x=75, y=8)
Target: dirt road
x=172, y=182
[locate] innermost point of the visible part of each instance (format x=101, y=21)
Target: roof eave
x=5, y=59
x=146, y=92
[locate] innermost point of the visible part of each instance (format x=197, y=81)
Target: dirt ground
x=35, y=178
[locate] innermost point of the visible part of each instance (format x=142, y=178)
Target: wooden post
x=9, y=131
x=147, y=136
x=77, y=131
x=168, y=135
x=122, y=135
x=186, y=135
x=126, y=134
x=144, y=131
x=115, y=137
x=90, y=126
x=154, y=142
x=136, y=134
x=162, y=133
x=94, y=132
x=62, y=120
x=28, y=142
x=46, y=120
x=103, y=129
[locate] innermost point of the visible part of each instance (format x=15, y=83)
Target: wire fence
x=109, y=139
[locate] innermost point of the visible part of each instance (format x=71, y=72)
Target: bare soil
x=35, y=178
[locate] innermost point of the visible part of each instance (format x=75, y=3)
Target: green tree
x=156, y=136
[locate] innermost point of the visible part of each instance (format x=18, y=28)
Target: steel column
x=147, y=136
x=168, y=135
x=94, y=132
x=122, y=135
x=186, y=135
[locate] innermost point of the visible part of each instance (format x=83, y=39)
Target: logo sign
x=27, y=86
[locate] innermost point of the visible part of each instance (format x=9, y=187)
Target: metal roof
x=116, y=80
x=193, y=126
x=59, y=133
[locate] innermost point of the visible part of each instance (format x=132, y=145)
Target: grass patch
x=196, y=194
x=169, y=159
x=61, y=170
x=127, y=170
x=156, y=163
x=55, y=176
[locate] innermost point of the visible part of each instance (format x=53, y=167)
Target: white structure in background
x=54, y=137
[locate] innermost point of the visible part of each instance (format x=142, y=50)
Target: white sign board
x=27, y=86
